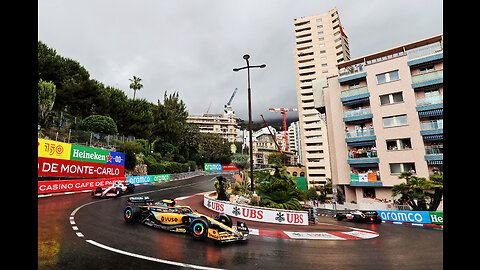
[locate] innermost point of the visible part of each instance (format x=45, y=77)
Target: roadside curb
x=356, y=234
x=413, y=224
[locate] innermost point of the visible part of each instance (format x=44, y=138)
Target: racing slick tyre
x=224, y=219
x=132, y=213
x=97, y=190
x=198, y=229
x=130, y=188
x=340, y=217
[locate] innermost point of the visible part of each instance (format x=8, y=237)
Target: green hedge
x=161, y=167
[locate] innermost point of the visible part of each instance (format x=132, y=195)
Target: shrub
x=99, y=124
x=130, y=149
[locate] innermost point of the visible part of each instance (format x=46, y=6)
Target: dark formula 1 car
x=360, y=216
x=118, y=188
x=165, y=215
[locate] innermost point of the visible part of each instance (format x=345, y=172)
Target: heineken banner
x=70, y=160
x=66, y=151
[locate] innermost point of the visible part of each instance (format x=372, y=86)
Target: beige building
x=321, y=43
x=263, y=146
x=385, y=115
x=223, y=124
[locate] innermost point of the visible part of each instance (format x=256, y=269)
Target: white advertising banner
x=269, y=215
x=362, y=177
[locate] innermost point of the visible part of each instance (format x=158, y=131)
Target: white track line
x=150, y=258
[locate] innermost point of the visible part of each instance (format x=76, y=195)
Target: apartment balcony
x=351, y=76
x=427, y=79
x=365, y=180
x=430, y=106
x=431, y=127
x=367, y=160
x=359, y=114
x=360, y=136
x=354, y=96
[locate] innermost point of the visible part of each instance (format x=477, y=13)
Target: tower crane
x=284, y=111
x=231, y=98
x=227, y=108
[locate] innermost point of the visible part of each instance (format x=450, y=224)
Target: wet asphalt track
x=59, y=247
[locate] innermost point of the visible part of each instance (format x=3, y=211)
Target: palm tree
x=135, y=85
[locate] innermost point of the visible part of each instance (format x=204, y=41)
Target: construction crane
x=274, y=139
x=284, y=111
x=227, y=108
x=231, y=98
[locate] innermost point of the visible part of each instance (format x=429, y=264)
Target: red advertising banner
x=71, y=168
x=229, y=167
x=71, y=185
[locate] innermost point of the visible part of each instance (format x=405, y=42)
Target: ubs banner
x=69, y=160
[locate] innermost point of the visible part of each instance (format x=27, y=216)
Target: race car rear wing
x=140, y=200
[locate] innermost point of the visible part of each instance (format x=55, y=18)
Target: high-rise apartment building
x=294, y=140
x=321, y=43
x=384, y=114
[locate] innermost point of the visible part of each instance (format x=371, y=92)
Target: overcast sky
x=191, y=46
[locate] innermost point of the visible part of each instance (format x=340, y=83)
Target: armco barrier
x=260, y=214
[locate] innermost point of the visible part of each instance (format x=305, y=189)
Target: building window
x=427, y=69
x=388, y=77
x=323, y=51
x=321, y=38
x=399, y=144
x=319, y=19
x=320, y=33
x=354, y=85
x=395, y=121
x=398, y=168
x=319, y=26
x=391, y=98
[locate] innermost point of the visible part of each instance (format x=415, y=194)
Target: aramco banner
x=214, y=167
x=69, y=160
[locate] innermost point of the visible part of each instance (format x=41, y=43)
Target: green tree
x=135, y=85
x=170, y=119
x=279, y=190
x=130, y=149
x=213, y=149
x=277, y=159
x=416, y=191
x=242, y=162
x=99, y=124
x=138, y=119
x=46, y=99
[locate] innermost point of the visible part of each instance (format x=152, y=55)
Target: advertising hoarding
x=217, y=167
x=71, y=168
x=278, y=216
x=405, y=216
x=71, y=185
x=66, y=151
x=212, y=167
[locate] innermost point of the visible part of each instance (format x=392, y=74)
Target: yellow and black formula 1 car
x=165, y=215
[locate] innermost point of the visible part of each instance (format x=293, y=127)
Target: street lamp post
x=246, y=57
